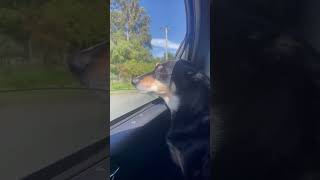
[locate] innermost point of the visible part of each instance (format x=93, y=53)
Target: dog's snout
x=135, y=81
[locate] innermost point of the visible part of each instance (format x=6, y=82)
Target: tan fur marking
x=147, y=81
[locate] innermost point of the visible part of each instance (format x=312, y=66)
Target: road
x=42, y=127
x=38, y=128
x=121, y=103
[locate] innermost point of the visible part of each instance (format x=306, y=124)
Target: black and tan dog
x=186, y=93
x=90, y=66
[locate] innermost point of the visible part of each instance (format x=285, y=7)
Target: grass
x=26, y=76
x=118, y=86
x=35, y=76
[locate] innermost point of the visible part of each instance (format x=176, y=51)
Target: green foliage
x=71, y=22
x=114, y=69
x=37, y=33
x=11, y=23
x=134, y=68
x=130, y=42
x=126, y=71
x=10, y=48
x=130, y=21
x=51, y=27
x=124, y=51
x=113, y=77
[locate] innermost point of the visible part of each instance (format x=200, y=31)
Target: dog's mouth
x=156, y=88
x=145, y=90
x=150, y=85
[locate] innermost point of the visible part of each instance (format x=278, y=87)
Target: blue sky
x=165, y=13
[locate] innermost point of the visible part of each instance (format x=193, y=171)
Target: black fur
x=266, y=99
x=189, y=133
x=188, y=137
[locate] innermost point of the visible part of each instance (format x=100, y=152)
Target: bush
x=133, y=68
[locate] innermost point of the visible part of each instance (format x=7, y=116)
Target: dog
x=186, y=93
x=266, y=97
x=90, y=66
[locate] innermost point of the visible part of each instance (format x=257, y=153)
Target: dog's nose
x=135, y=81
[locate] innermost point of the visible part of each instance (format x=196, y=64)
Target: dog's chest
x=172, y=102
x=188, y=141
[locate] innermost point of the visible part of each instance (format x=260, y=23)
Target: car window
x=52, y=82
x=143, y=33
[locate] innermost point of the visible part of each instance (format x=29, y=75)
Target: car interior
x=138, y=149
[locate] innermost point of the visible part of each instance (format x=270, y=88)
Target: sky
x=169, y=13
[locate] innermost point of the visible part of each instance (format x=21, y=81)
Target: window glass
x=143, y=33
x=53, y=81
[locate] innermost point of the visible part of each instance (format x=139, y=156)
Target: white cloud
x=161, y=43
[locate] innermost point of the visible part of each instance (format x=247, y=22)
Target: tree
x=129, y=21
x=128, y=51
x=129, y=30
x=78, y=23
x=50, y=28
x=130, y=43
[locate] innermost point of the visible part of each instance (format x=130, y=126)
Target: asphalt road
x=38, y=128
x=121, y=103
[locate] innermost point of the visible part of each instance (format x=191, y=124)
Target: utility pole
x=166, y=29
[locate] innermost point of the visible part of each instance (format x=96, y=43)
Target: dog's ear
x=198, y=77
x=195, y=76
x=190, y=73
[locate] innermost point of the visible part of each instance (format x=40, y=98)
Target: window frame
x=182, y=53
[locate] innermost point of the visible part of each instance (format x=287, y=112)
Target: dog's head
x=171, y=80
x=158, y=81
x=90, y=66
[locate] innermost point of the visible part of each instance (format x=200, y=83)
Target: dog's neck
x=188, y=103
x=171, y=99
x=172, y=102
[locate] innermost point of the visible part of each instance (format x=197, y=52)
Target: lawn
x=117, y=86
x=36, y=76
x=26, y=76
